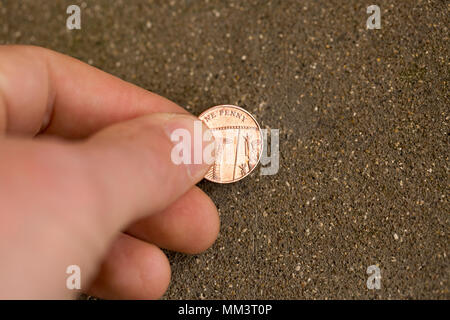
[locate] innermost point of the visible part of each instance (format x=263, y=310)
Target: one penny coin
x=238, y=142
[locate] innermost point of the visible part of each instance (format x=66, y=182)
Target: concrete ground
x=364, y=132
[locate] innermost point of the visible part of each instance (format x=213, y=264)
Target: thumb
x=63, y=203
x=135, y=165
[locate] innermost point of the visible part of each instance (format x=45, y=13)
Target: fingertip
x=187, y=135
x=133, y=269
x=190, y=225
x=155, y=272
x=207, y=224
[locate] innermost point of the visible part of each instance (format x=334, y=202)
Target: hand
x=83, y=157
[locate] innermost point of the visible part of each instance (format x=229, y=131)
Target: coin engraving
x=238, y=142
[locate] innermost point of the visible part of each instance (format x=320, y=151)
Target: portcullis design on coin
x=238, y=142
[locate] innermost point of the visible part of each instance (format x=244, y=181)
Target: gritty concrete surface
x=364, y=132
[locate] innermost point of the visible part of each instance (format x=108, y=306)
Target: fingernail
x=193, y=144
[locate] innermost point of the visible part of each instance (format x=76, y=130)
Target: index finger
x=45, y=91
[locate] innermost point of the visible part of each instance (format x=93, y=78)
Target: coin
x=238, y=142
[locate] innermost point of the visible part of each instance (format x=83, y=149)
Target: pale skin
x=86, y=179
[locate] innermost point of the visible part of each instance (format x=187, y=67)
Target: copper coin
x=238, y=142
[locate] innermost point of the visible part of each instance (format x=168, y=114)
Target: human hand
x=83, y=157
